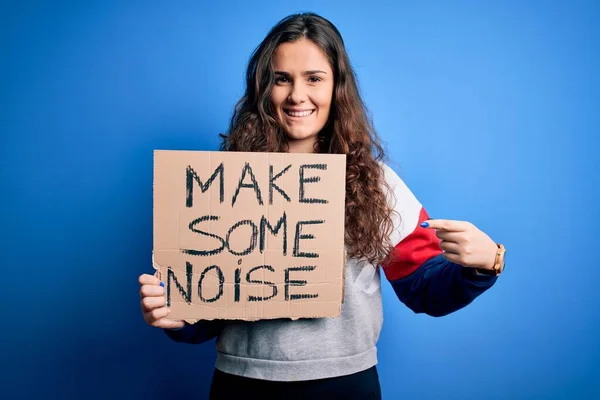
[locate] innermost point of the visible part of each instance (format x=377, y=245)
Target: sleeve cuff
x=185, y=325
x=477, y=278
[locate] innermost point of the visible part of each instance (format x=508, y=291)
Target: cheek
x=277, y=98
x=323, y=98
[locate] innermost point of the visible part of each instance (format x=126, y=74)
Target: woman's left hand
x=463, y=243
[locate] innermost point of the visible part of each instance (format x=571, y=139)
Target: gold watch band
x=498, y=263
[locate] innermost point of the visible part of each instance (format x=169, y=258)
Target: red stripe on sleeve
x=416, y=248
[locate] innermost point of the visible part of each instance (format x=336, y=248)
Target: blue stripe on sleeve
x=439, y=287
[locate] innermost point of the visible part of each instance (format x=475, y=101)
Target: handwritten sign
x=249, y=235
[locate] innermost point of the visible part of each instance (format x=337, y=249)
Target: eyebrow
x=309, y=72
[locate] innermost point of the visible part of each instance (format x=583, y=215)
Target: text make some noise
x=213, y=282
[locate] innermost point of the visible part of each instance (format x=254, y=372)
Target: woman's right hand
x=153, y=304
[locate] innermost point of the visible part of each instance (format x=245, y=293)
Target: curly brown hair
x=253, y=127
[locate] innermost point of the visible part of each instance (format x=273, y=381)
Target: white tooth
x=300, y=113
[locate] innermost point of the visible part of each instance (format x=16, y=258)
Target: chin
x=301, y=134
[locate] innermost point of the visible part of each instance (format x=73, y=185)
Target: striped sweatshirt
x=306, y=349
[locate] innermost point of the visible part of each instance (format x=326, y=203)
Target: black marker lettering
x=253, y=185
x=236, y=285
x=312, y=179
x=253, y=238
x=221, y=281
x=260, y=298
x=289, y=283
x=264, y=224
x=193, y=229
x=186, y=294
x=191, y=175
x=299, y=235
x=272, y=184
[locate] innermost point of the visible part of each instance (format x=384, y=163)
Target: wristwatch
x=498, y=263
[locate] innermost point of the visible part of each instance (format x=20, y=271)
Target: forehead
x=301, y=55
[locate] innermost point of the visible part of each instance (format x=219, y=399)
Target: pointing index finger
x=444, y=225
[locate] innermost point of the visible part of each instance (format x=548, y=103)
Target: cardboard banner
x=249, y=235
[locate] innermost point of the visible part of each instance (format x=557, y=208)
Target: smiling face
x=302, y=93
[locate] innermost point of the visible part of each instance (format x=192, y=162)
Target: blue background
x=490, y=111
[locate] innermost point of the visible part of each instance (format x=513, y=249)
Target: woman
x=302, y=96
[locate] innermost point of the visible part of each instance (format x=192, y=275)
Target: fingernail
x=162, y=284
x=424, y=224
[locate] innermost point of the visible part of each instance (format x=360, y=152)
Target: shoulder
x=407, y=210
x=396, y=185
x=389, y=175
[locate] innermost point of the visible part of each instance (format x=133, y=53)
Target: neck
x=302, y=146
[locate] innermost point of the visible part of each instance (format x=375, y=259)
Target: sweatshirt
x=317, y=348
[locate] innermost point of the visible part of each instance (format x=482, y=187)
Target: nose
x=297, y=94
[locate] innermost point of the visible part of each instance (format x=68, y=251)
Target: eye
x=314, y=79
x=281, y=79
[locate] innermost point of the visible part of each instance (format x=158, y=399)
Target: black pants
x=362, y=385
